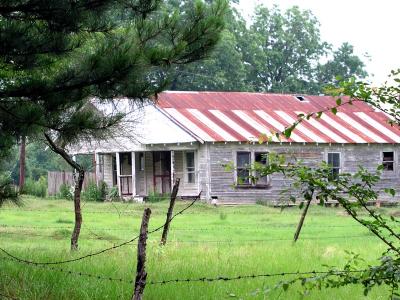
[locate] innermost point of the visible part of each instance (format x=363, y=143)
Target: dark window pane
x=388, y=161
x=261, y=157
x=388, y=166
x=388, y=156
x=243, y=176
x=190, y=178
x=243, y=159
x=190, y=159
x=334, y=160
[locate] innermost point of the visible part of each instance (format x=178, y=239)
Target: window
x=388, y=161
x=249, y=168
x=334, y=162
x=190, y=167
x=243, y=161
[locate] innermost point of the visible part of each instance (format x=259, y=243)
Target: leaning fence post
x=169, y=213
x=141, y=274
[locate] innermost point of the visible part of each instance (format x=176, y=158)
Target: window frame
x=250, y=184
x=185, y=166
x=393, y=162
x=340, y=168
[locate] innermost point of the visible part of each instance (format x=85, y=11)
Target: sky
x=371, y=26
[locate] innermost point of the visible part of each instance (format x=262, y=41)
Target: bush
x=157, y=197
x=36, y=188
x=66, y=192
x=113, y=194
x=7, y=190
x=94, y=192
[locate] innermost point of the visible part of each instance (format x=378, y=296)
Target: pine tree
x=56, y=56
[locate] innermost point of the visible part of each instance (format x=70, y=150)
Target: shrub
x=36, y=188
x=66, y=192
x=94, y=192
x=113, y=194
x=157, y=197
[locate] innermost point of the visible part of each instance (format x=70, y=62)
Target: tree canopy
x=276, y=51
x=57, y=55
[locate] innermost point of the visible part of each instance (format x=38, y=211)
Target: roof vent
x=301, y=98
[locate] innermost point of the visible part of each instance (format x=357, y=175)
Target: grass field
x=206, y=241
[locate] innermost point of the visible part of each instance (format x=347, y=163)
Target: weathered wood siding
x=108, y=170
x=222, y=182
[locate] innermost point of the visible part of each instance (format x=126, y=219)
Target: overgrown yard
x=205, y=241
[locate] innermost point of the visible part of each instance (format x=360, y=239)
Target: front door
x=162, y=171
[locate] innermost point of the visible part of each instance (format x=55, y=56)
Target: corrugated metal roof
x=238, y=116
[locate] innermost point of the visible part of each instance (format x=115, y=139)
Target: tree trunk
x=303, y=216
x=77, y=192
x=22, y=164
x=77, y=207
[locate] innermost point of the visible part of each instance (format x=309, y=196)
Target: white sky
x=370, y=26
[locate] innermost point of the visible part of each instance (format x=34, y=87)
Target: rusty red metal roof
x=242, y=116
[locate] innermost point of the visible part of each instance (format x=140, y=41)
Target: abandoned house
x=194, y=135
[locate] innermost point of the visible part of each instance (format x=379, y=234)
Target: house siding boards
x=108, y=170
x=352, y=156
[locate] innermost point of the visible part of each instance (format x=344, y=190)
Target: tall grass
x=205, y=242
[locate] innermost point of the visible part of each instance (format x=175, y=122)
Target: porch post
x=133, y=174
x=172, y=168
x=145, y=172
x=97, y=167
x=118, y=173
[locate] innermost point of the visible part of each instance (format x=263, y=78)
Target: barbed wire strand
x=211, y=228
x=97, y=252
x=110, y=239
x=188, y=280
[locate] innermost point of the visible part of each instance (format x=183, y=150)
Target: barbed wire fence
x=53, y=266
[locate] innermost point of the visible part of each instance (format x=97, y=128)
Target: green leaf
x=334, y=110
x=338, y=101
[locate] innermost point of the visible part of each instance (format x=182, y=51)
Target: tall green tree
x=344, y=63
x=284, y=48
x=57, y=55
x=224, y=68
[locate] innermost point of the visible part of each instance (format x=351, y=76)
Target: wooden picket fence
x=56, y=178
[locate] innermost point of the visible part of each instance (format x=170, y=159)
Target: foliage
x=36, y=188
x=66, y=192
x=7, y=190
x=58, y=56
x=353, y=192
x=113, y=194
x=94, y=192
x=154, y=197
x=277, y=51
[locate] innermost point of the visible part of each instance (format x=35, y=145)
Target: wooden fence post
x=169, y=213
x=141, y=274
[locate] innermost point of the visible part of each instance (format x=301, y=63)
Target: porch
x=138, y=174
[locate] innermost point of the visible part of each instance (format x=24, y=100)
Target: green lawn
x=206, y=241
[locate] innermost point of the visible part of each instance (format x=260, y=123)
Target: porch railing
x=126, y=184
